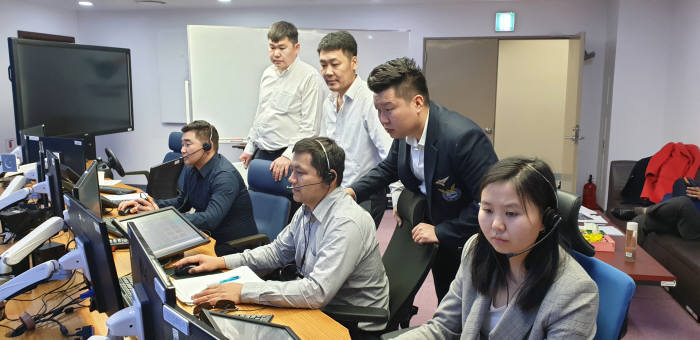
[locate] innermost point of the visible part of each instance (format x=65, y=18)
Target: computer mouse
x=124, y=211
x=184, y=270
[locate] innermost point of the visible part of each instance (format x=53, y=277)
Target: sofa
x=681, y=257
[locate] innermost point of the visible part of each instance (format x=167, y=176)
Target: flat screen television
x=73, y=90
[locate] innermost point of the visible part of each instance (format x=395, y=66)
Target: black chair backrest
x=619, y=174
x=569, y=205
x=406, y=263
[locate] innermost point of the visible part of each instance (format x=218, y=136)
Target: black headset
x=329, y=176
x=551, y=217
x=207, y=145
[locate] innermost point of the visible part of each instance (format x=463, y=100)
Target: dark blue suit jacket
x=457, y=154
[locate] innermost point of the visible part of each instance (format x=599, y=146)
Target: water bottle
x=631, y=242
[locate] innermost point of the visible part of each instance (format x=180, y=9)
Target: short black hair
x=203, y=130
x=341, y=40
x=336, y=156
x=403, y=75
x=282, y=29
x=533, y=182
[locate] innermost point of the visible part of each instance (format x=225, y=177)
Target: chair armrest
x=142, y=172
x=248, y=242
x=357, y=314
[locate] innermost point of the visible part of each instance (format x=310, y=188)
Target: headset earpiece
x=330, y=174
x=207, y=145
x=550, y=219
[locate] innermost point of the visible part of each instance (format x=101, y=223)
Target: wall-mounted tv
x=73, y=90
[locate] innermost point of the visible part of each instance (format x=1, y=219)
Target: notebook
x=185, y=288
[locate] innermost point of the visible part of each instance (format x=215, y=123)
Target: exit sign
x=505, y=21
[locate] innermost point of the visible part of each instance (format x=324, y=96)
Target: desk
x=644, y=270
x=306, y=323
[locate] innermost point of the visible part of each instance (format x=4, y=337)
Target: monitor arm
x=17, y=183
x=126, y=322
x=28, y=243
x=39, y=188
x=60, y=269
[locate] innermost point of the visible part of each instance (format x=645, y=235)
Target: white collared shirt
x=355, y=127
x=288, y=108
x=418, y=155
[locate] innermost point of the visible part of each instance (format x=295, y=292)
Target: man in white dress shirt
x=350, y=118
x=288, y=103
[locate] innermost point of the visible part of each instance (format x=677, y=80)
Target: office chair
x=406, y=263
x=174, y=145
x=615, y=290
x=269, y=198
x=569, y=205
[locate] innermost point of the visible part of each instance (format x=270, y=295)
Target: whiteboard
x=226, y=64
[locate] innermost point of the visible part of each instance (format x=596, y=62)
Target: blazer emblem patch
x=451, y=194
x=441, y=182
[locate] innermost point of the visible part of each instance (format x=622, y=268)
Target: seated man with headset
x=329, y=249
x=212, y=186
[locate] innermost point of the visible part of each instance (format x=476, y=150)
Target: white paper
x=125, y=197
x=586, y=211
x=583, y=218
x=110, y=182
x=185, y=288
x=611, y=230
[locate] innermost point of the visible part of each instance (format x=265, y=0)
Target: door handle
x=577, y=135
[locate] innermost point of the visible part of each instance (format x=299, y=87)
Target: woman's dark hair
x=533, y=182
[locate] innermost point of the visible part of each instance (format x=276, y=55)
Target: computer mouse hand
x=125, y=211
x=184, y=270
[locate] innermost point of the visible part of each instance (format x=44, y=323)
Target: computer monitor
x=92, y=231
x=166, y=231
x=236, y=327
x=71, y=150
x=160, y=314
x=162, y=179
x=87, y=189
x=73, y=89
x=55, y=184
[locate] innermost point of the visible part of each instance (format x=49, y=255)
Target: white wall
x=19, y=15
x=682, y=116
x=655, y=88
x=138, y=30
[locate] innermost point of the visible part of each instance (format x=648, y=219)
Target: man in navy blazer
x=436, y=152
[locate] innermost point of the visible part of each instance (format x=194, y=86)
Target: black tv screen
x=73, y=90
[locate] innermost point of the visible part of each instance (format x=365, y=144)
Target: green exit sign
x=505, y=21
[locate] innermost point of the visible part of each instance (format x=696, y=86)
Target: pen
x=233, y=278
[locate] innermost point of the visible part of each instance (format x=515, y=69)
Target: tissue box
x=607, y=244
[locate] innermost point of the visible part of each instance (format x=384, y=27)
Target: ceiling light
x=224, y=0
x=85, y=3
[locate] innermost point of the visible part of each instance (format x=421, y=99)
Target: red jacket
x=673, y=161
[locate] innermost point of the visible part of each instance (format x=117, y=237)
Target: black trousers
x=445, y=269
x=376, y=205
x=677, y=215
x=268, y=155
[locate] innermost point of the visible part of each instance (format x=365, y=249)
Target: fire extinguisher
x=589, y=199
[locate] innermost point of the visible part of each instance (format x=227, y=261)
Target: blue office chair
x=615, y=290
x=175, y=145
x=269, y=198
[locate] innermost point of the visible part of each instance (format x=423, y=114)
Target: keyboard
x=115, y=190
x=258, y=317
x=126, y=283
x=107, y=203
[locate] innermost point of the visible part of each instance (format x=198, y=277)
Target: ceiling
x=172, y=4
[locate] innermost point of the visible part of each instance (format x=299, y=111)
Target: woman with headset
x=515, y=281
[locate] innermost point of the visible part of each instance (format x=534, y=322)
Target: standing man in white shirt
x=289, y=102
x=350, y=118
